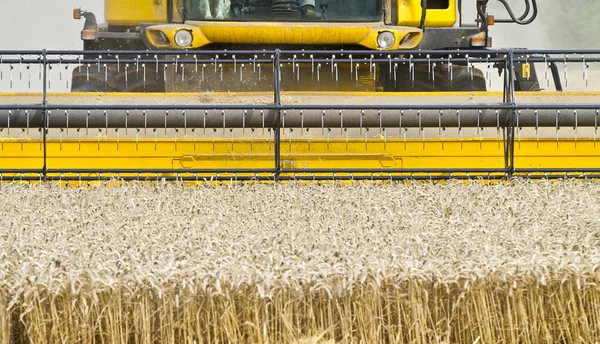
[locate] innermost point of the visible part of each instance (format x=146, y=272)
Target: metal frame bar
x=509, y=99
x=508, y=59
x=45, y=112
x=277, y=101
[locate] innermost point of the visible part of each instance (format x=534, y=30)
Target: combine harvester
x=207, y=90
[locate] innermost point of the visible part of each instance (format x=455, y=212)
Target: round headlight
x=183, y=38
x=386, y=40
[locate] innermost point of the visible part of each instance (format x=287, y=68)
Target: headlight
x=386, y=40
x=183, y=38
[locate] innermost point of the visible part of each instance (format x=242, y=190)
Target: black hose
x=482, y=15
x=556, y=76
x=424, y=14
x=527, y=9
x=522, y=19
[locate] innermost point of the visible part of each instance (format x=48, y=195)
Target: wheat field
x=421, y=263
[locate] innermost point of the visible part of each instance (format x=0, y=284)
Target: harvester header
x=319, y=107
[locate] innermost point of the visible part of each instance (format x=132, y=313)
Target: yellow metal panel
x=549, y=94
x=134, y=12
x=409, y=14
x=169, y=31
x=286, y=33
x=296, y=153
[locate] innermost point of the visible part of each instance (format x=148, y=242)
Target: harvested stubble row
x=455, y=263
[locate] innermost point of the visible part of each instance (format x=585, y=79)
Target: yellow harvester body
x=406, y=18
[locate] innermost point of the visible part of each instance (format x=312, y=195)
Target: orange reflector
x=88, y=34
x=478, y=41
x=77, y=13
x=491, y=20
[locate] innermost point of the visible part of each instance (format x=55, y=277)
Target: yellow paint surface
x=376, y=153
x=546, y=95
x=364, y=34
x=134, y=12
x=409, y=14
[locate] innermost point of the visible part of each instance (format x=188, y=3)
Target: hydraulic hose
x=522, y=19
x=482, y=15
x=527, y=9
x=424, y=14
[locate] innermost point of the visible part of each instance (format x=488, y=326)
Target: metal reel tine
x=565, y=69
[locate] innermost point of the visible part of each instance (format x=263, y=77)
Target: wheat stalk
x=419, y=263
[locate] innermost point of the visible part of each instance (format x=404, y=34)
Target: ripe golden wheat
x=455, y=263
